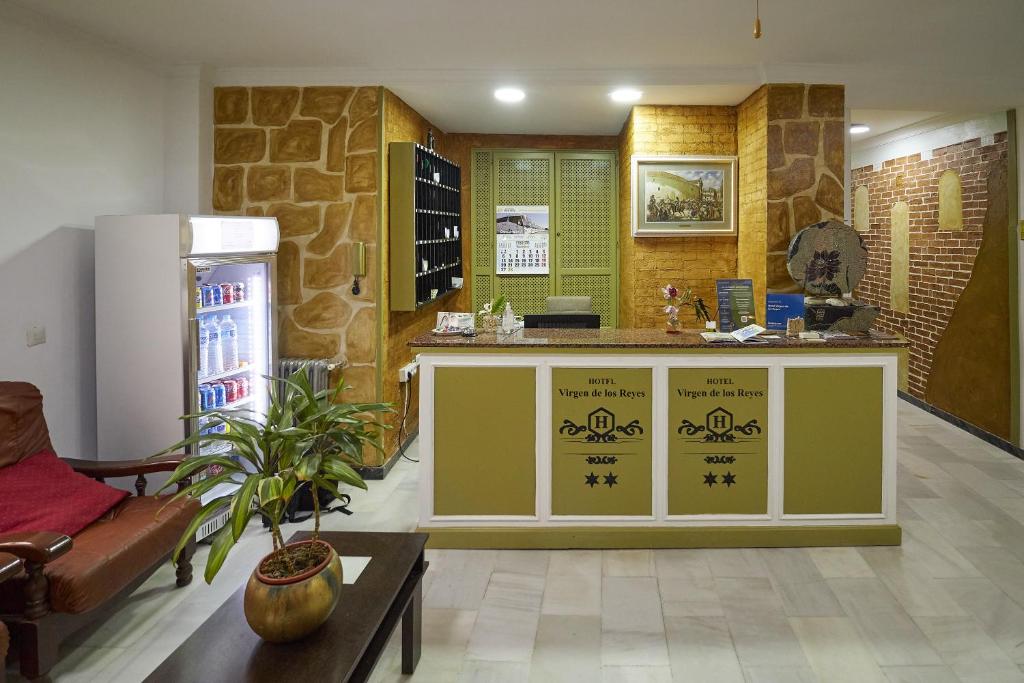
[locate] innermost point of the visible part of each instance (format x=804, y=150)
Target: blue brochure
x=782, y=307
x=724, y=288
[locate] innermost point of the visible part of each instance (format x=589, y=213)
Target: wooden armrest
x=35, y=546
x=9, y=566
x=125, y=468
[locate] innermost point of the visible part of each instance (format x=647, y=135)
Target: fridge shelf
x=203, y=379
x=225, y=489
x=237, y=404
x=203, y=310
x=217, y=448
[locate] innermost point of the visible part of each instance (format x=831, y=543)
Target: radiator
x=319, y=370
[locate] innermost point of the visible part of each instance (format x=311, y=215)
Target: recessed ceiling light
x=625, y=95
x=858, y=128
x=509, y=95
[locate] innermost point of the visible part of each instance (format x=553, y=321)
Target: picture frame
x=674, y=196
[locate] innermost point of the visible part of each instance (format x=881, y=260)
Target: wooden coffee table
x=346, y=648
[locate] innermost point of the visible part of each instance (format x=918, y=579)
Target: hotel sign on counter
x=601, y=441
x=718, y=441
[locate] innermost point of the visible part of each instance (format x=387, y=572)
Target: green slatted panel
x=587, y=256
x=524, y=178
x=482, y=228
x=482, y=291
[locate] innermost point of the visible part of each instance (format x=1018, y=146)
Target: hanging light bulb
x=757, y=19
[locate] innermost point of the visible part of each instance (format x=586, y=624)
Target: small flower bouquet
x=674, y=300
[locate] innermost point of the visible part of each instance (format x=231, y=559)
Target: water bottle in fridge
x=204, y=349
x=216, y=362
x=229, y=343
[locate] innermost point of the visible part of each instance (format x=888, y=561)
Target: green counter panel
x=485, y=441
x=717, y=441
x=833, y=434
x=601, y=441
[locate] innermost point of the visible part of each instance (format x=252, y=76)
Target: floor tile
x=568, y=648
x=628, y=562
x=892, y=636
x=701, y=649
x=835, y=650
x=968, y=651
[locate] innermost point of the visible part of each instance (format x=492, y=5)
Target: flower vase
x=672, y=326
x=490, y=323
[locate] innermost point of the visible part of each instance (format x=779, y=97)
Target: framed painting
x=683, y=195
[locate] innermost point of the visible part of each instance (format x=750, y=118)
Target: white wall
x=81, y=134
x=188, y=140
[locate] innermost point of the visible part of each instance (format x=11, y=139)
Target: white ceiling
x=446, y=56
x=882, y=121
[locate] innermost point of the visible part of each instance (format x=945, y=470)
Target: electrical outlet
x=35, y=335
x=406, y=372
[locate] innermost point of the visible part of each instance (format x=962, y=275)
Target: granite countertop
x=633, y=339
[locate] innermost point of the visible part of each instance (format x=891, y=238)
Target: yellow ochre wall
x=648, y=263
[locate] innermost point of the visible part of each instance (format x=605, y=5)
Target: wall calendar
x=523, y=240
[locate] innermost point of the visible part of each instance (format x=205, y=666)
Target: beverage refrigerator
x=185, y=319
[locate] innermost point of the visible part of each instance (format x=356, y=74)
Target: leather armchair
x=9, y=566
x=68, y=583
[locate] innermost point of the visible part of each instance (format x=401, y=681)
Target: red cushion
x=43, y=493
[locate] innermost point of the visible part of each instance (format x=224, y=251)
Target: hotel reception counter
x=641, y=439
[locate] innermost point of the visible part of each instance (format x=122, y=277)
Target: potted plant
x=487, y=318
x=307, y=439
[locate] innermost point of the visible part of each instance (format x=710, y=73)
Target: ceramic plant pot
x=282, y=610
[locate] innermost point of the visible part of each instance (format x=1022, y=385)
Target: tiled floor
x=946, y=606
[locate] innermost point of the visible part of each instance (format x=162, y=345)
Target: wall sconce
x=358, y=256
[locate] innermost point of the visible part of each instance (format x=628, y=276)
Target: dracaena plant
x=306, y=436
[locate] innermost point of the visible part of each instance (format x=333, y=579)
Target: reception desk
x=641, y=439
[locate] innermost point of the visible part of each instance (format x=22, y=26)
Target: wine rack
x=425, y=228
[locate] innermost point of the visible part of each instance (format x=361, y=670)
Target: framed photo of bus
x=675, y=196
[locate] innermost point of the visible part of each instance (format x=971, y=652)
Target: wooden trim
x=662, y=537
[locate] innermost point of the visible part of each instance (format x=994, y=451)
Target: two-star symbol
x=609, y=479
x=711, y=479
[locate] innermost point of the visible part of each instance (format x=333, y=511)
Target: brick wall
x=309, y=156
x=941, y=261
x=648, y=263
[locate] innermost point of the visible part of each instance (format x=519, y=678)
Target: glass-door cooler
x=185, y=322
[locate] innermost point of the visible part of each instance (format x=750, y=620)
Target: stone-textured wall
x=752, y=147
x=309, y=156
x=648, y=263
x=806, y=157
x=941, y=262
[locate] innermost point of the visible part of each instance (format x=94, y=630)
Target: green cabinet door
x=834, y=441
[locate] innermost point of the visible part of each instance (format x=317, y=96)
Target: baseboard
x=378, y=472
x=997, y=441
x=557, y=538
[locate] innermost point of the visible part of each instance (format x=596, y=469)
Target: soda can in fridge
x=239, y=288
x=231, y=390
x=227, y=292
x=243, y=386
x=218, y=295
x=207, y=292
x=199, y=297
x=205, y=397
x=220, y=394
